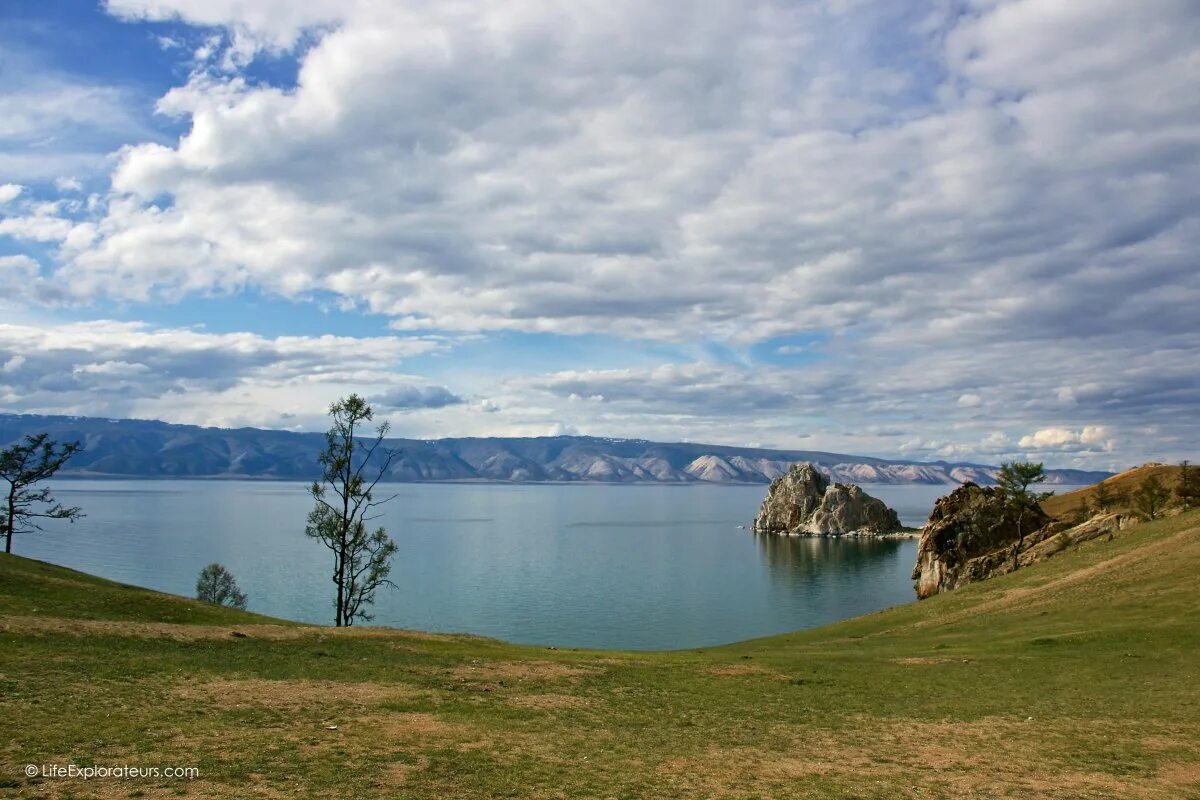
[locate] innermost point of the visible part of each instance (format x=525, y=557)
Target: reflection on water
x=802, y=558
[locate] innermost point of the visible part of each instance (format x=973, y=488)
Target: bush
x=217, y=585
x=1188, y=489
x=1151, y=498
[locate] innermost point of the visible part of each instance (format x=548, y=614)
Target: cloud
x=406, y=398
x=696, y=389
x=57, y=124
x=10, y=192
x=964, y=203
x=1091, y=437
x=124, y=368
x=270, y=24
x=544, y=169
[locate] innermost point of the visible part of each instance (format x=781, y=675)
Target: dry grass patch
x=986, y=758
x=500, y=671
x=406, y=726
x=746, y=670
x=551, y=702
x=1180, y=774
x=293, y=695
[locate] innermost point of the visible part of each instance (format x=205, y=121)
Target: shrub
x=217, y=585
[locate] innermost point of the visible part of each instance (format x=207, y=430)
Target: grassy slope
x=1078, y=677
x=1064, y=505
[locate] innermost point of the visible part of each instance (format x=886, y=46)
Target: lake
x=576, y=565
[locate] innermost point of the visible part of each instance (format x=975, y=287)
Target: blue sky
x=961, y=229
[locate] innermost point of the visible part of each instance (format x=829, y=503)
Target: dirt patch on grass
x=746, y=670
x=984, y=758
x=516, y=671
x=407, y=726
x=1181, y=774
x=293, y=695
x=924, y=660
x=550, y=702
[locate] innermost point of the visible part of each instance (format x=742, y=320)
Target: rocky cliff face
x=804, y=502
x=968, y=537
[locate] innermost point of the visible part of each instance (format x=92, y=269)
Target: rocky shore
x=804, y=502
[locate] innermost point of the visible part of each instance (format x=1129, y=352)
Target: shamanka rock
x=803, y=502
x=970, y=536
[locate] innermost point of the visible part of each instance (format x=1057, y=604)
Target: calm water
x=630, y=567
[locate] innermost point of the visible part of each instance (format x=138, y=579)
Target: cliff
x=968, y=536
x=804, y=501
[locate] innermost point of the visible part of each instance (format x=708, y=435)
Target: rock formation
x=803, y=502
x=967, y=525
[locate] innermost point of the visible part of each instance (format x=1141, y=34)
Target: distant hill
x=146, y=448
x=1125, y=484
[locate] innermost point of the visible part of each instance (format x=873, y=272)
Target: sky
x=949, y=229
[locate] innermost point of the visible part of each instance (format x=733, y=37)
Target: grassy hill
x=1077, y=677
x=1064, y=506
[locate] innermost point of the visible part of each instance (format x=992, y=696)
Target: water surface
x=627, y=567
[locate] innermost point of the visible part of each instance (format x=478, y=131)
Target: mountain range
x=150, y=449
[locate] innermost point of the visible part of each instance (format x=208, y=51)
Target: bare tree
x=217, y=585
x=23, y=466
x=1014, y=480
x=343, y=501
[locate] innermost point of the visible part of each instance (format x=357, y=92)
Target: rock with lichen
x=804, y=502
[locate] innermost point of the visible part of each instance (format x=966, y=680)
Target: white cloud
x=10, y=192
x=1090, y=437
x=127, y=368
x=1000, y=203
x=509, y=166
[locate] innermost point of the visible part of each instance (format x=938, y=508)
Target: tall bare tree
x=343, y=505
x=23, y=466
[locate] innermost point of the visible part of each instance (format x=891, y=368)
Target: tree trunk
x=1020, y=541
x=345, y=530
x=9, y=522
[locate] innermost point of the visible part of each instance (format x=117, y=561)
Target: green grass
x=1078, y=677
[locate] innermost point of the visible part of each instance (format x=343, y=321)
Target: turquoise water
x=626, y=567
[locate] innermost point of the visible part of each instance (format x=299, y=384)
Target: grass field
x=1078, y=677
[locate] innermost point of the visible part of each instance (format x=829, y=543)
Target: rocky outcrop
x=968, y=536
x=804, y=502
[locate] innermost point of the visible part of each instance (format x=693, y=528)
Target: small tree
x=1014, y=480
x=1103, y=498
x=23, y=466
x=1188, y=488
x=343, y=500
x=217, y=585
x=1151, y=498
